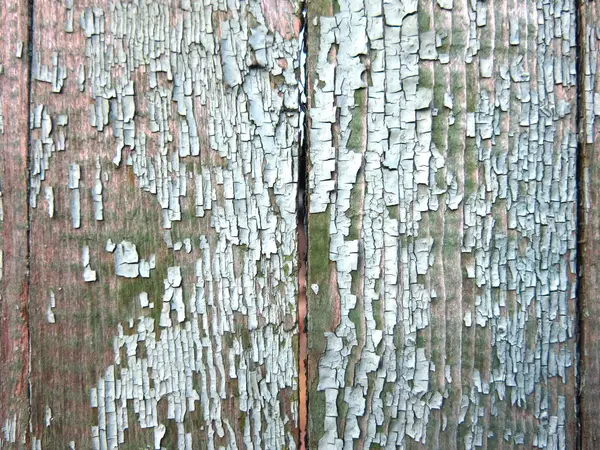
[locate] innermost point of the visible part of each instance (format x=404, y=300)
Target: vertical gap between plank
x=30, y=50
x=581, y=161
x=302, y=238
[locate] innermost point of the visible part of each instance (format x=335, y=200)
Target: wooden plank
x=589, y=229
x=14, y=295
x=442, y=224
x=171, y=130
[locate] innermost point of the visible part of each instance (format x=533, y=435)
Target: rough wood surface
x=589, y=182
x=14, y=311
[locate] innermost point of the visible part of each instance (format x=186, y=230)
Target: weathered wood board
x=442, y=224
x=163, y=161
x=14, y=290
x=152, y=213
x=589, y=228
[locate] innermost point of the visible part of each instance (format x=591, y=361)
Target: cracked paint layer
x=442, y=191
x=235, y=76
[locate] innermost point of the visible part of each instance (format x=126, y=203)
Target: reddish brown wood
x=14, y=301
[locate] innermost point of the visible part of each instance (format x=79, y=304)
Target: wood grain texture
x=589, y=230
x=14, y=292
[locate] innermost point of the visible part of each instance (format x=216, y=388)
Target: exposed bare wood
x=589, y=230
x=14, y=292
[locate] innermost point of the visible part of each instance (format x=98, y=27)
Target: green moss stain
x=319, y=315
x=355, y=141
